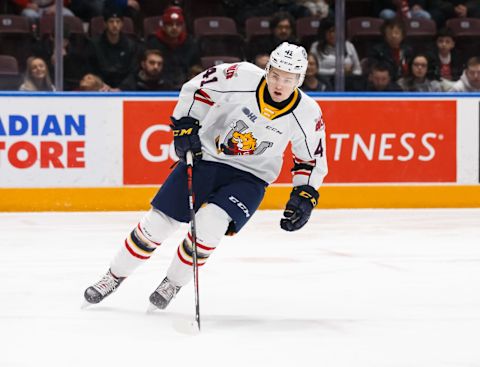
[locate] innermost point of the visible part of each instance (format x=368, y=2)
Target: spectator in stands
x=282, y=26
x=421, y=76
x=261, y=60
x=324, y=50
x=93, y=83
x=447, y=9
x=380, y=80
x=37, y=77
x=470, y=79
x=74, y=60
x=317, y=8
x=390, y=9
x=314, y=82
x=34, y=9
x=447, y=57
x=392, y=50
x=179, y=49
x=87, y=9
x=150, y=77
x=113, y=55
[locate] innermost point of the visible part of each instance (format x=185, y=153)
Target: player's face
x=281, y=84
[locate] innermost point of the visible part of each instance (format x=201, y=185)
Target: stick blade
x=188, y=327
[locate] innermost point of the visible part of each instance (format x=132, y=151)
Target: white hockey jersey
x=240, y=129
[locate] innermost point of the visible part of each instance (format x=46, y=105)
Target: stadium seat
x=16, y=38
x=9, y=73
x=151, y=25
x=46, y=25
x=467, y=35
x=199, y=9
x=421, y=34
x=364, y=32
x=77, y=37
x=97, y=26
x=306, y=30
x=218, y=36
x=257, y=27
x=258, y=32
x=209, y=61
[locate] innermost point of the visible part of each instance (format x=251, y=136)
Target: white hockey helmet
x=291, y=58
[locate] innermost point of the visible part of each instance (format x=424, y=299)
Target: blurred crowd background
x=157, y=45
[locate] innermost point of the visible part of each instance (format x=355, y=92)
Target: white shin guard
x=211, y=224
x=140, y=244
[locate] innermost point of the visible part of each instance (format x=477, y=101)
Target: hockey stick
x=194, y=237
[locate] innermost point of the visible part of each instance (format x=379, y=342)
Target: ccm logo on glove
x=299, y=208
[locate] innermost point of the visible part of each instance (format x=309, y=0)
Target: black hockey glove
x=297, y=212
x=185, y=137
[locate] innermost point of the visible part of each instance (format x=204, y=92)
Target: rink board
x=332, y=197
x=112, y=151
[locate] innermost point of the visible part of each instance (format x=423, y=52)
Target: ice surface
x=354, y=288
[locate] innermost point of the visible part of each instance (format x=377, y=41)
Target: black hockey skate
x=164, y=293
x=103, y=288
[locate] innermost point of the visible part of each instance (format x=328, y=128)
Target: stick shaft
x=193, y=232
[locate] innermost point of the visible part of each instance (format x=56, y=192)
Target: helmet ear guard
x=290, y=58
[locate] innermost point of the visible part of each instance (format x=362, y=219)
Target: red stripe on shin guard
x=133, y=253
x=185, y=261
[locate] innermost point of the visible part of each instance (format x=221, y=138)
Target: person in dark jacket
x=448, y=9
x=392, y=50
x=282, y=26
x=179, y=49
x=150, y=77
x=447, y=57
x=113, y=55
x=380, y=80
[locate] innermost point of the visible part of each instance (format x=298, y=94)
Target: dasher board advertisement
x=368, y=141
x=60, y=142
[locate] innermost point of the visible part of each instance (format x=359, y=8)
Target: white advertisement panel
x=468, y=150
x=60, y=141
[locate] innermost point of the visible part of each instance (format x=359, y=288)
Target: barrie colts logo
x=249, y=114
x=240, y=142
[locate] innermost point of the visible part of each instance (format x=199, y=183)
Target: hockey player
x=237, y=121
